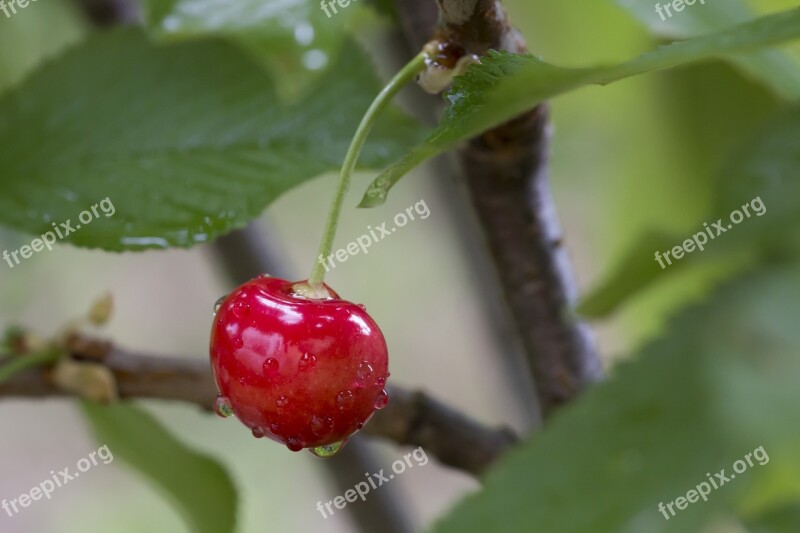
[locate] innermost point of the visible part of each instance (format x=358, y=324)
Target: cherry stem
x=405, y=75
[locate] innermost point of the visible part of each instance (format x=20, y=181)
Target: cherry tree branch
x=411, y=418
x=106, y=13
x=506, y=173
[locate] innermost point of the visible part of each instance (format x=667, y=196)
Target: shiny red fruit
x=305, y=372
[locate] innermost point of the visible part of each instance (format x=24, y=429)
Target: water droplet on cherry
x=241, y=309
x=381, y=400
x=364, y=374
x=363, y=307
x=282, y=404
x=321, y=425
x=307, y=362
x=258, y=432
x=345, y=400
x=329, y=450
x=294, y=444
x=218, y=303
x=271, y=367
x=222, y=406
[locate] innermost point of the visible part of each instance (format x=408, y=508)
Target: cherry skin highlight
x=307, y=373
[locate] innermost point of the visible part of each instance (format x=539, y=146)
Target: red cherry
x=305, y=372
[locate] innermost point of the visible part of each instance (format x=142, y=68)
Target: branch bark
x=107, y=13
x=411, y=418
x=506, y=173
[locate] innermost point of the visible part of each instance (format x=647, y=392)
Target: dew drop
x=307, y=362
x=258, y=432
x=222, y=406
x=238, y=342
x=294, y=444
x=364, y=374
x=363, y=307
x=329, y=450
x=218, y=303
x=265, y=275
x=271, y=367
x=380, y=382
x=241, y=309
x=360, y=425
x=322, y=426
x=282, y=404
x=381, y=400
x=304, y=33
x=344, y=400
x=315, y=59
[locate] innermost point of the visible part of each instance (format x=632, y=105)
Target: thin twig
x=411, y=418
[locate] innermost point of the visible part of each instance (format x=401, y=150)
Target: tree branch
x=107, y=13
x=506, y=173
x=419, y=420
x=478, y=26
x=410, y=418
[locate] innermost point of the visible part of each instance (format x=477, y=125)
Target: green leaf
x=707, y=138
x=188, y=140
x=200, y=488
x=776, y=69
x=637, y=270
x=766, y=167
x=505, y=85
x=294, y=37
x=719, y=385
x=18, y=363
x=760, y=174
x=695, y=273
x=10, y=339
